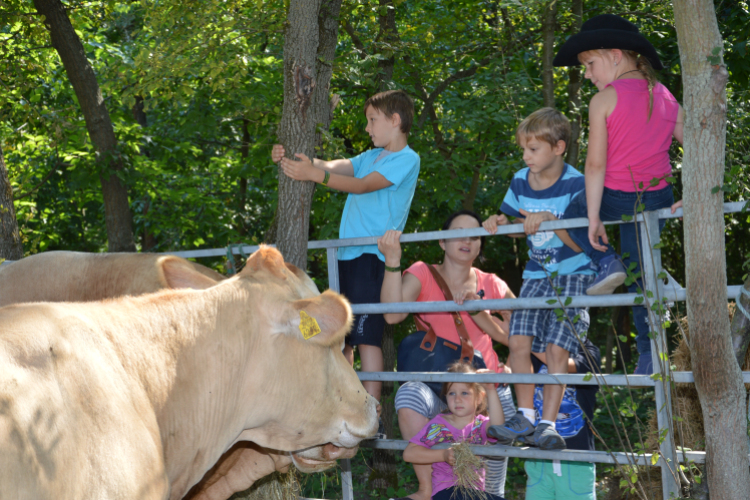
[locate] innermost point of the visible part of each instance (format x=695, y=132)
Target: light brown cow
x=81, y=277
x=139, y=397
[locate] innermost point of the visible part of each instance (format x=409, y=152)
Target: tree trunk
x=718, y=378
x=309, y=49
x=384, y=472
x=387, y=36
x=64, y=39
x=549, y=17
x=11, y=247
x=242, y=182
x=574, y=94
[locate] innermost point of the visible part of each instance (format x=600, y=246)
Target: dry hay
x=688, y=428
x=276, y=486
x=689, y=432
x=466, y=471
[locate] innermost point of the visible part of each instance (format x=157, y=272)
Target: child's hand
x=389, y=245
x=596, y=231
x=676, y=206
x=302, y=170
x=449, y=456
x=533, y=220
x=490, y=225
x=488, y=386
x=277, y=153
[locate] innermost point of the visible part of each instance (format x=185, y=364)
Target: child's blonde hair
x=477, y=388
x=545, y=124
x=642, y=64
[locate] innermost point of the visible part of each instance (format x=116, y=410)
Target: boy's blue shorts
x=543, y=324
x=360, y=281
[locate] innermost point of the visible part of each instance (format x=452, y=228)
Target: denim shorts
x=360, y=281
x=543, y=324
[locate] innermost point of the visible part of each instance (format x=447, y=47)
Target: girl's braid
x=643, y=65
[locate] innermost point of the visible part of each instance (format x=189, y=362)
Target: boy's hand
x=490, y=225
x=302, y=170
x=596, y=231
x=449, y=456
x=277, y=153
x=533, y=220
x=390, y=246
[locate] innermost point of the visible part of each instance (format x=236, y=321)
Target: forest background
x=194, y=90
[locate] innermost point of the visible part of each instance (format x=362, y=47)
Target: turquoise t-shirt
x=372, y=214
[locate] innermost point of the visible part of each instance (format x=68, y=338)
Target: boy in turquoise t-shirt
x=380, y=183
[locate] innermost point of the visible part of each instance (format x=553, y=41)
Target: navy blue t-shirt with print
x=545, y=247
x=578, y=400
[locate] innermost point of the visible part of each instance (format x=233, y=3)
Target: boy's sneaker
x=546, y=438
x=611, y=275
x=516, y=427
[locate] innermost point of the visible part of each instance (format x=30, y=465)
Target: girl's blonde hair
x=642, y=64
x=477, y=388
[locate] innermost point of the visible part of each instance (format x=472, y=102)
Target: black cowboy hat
x=606, y=31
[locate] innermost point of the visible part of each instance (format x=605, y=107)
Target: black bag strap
x=428, y=343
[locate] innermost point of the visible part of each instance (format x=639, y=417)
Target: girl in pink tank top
x=632, y=120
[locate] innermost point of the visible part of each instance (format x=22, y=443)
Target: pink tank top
x=638, y=147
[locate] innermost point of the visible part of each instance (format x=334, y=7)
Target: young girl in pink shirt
x=632, y=119
x=465, y=420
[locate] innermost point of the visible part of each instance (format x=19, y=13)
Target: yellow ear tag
x=308, y=325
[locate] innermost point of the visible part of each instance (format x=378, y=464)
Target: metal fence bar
x=601, y=457
x=531, y=378
x=620, y=299
x=650, y=268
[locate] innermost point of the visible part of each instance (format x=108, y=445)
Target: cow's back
x=62, y=276
x=72, y=424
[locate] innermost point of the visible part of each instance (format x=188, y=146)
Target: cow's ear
x=178, y=273
x=323, y=320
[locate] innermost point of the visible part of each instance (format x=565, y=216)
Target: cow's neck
x=190, y=367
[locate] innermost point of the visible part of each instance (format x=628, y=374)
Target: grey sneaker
x=546, y=438
x=516, y=427
x=611, y=275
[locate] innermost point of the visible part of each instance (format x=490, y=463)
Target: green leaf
x=588, y=377
x=715, y=189
x=552, y=301
x=568, y=301
x=654, y=458
x=638, y=300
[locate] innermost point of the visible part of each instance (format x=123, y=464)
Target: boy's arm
x=533, y=220
x=341, y=166
x=417, y=454
x=307, y=170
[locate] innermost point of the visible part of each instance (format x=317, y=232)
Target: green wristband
x=326, y=177
x=393, y=269
x=474, y=313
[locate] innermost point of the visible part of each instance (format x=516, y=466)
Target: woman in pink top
x=632, y=120
x=416, y=403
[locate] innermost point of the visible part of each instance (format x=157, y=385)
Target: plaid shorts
x=543, y=324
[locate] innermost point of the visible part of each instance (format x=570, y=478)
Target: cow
x=62, y=276
x=139, y=397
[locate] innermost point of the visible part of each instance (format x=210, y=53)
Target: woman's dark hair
x=470, y=213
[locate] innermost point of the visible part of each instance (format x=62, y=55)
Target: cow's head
x=303, y=391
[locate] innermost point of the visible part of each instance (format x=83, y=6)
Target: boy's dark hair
x=546, y=124
x=464, y=367
x=470, y=213
x=394, y=101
